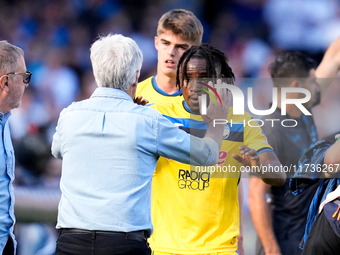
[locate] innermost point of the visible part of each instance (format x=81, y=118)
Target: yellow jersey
x=195, y=209
x=150, y=91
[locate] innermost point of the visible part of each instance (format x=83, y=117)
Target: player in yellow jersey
x=194, y=209
x=177, y=31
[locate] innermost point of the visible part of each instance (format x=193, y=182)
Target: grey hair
x=115, y=60
x=9, y=56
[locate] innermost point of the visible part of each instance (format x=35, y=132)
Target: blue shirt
x=7, y=218
x=110, y=146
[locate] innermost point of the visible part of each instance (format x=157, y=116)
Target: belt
x=134, y=235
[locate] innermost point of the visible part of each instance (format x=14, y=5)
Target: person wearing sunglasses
x=14, y=78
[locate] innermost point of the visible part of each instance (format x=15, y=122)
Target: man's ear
x=294, y=84
x=156, y=42
x=137, y=76
x=4, y=83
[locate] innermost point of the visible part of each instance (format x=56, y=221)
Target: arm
x=55, y=149
x=263, y=164
x=332, y=154
x=329, y=66
x=269, y=159
x=56, y=143
x=215, y=131
x=240, y=247
x=176, y=144
x=332, y=158
x=326, y=119
x=261, y=216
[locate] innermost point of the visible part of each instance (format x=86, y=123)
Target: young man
x=177, y=31
x=322, y=234
x=195, y=210
x=14, y=78
x=281, y=230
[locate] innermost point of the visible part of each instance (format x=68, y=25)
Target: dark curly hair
x=214, y=58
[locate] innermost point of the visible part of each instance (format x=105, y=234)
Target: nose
x=171, y=51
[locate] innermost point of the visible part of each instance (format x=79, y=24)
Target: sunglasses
x=27, y=76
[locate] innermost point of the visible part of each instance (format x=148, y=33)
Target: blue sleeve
x=176, y=144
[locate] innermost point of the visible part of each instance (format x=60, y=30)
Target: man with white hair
x=14, y=79
x=110, y=146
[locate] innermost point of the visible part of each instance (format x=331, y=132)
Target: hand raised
x=215, y=110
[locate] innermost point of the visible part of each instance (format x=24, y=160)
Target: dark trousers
x=85, y=242
x=9, y=248
x=321, y=238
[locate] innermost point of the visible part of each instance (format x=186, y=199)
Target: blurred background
x=56, y=36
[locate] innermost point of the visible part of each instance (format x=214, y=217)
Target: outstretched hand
x=249, y=156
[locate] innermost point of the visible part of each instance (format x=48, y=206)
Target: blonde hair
x=182, y=22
